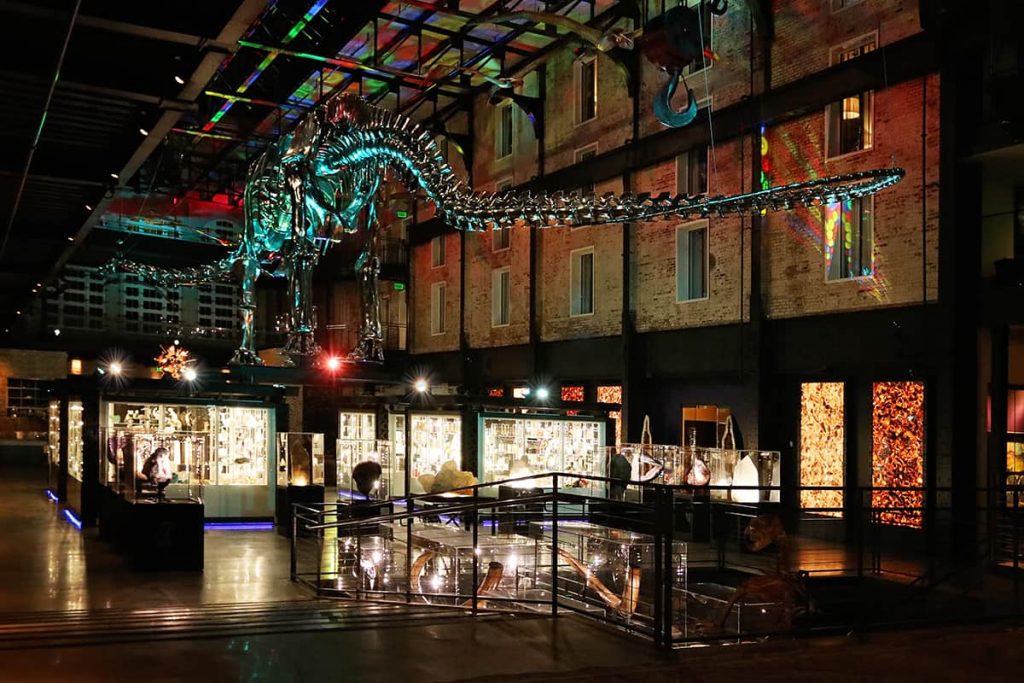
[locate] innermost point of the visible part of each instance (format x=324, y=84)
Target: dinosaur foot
x=245, y=356
x=301, y=348
x=367, y=353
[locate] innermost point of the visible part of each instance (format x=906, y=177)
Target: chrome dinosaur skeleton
x=323, y=181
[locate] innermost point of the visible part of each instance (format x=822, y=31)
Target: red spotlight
x=333, y=363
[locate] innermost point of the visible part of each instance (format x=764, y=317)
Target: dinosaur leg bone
x=371, y=338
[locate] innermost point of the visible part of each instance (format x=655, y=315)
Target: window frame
x=577, y=80
x=438, y=256
x=577, y=157
x=833, y=59
x=498, y=135
x=507, y=231
x=707, y=172
x=871, y=255
x=697, y=5
x=688, y=227
x=593, y=271
x=849, y=3
x=496, y=275
x=440, y=315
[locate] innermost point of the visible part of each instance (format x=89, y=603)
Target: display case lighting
x=421, y=385
x=542, y=393
x=115, y=368
x=189, y=374
x=75, y=521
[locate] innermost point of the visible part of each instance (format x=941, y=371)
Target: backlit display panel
x=822, y=446
x=897, y=451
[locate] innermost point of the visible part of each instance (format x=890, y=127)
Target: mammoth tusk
x=610, y=598
x=416, y=572
x=663, y=104
x=495, y=572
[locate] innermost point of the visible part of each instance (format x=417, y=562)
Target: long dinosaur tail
x=216, y=271
x=359, y=132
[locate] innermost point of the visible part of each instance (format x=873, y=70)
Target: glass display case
x=218, y=452
x=365, y=472
x=356, y=443
x=74, y=432
x=513, y=446
x=727, y=471
x=300, y=459
x=435, y=439
x=53, y=444
x=396, y=435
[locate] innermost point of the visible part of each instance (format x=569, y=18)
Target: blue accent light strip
x=239, y=526
x=51, y=495
x=75, y=521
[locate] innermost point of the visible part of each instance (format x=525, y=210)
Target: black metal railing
x=677, y=565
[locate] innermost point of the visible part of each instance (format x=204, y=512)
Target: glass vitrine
x=514, y=446
x=74, y=432
x=300, y=459
x=435, y=440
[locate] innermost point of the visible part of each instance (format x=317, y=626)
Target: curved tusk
x=663, y=105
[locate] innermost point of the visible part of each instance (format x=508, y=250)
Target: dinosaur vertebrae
x=218, y=271
x=394, y=142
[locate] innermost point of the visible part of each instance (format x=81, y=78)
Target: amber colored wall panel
x=822, y=445
x=897, y=451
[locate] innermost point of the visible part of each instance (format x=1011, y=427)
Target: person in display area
x=620, y=469
x=156, y=472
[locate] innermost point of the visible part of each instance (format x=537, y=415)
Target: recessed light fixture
x=179, y=80
x=114, y=176
x=88, y=207
x=71, y=239
x=143, y=131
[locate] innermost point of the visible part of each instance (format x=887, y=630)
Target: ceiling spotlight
x=143, y=131
x=421, y=385
x=114, y=176
x=189, y=374
x=543, y=393
x=115, y=368
x=71, y=239
x=176, y=342
x=179, y=80
x=56, y=332
x=17, y=313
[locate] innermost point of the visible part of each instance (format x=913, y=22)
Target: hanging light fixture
x=851, y=108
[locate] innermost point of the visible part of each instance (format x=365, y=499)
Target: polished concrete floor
x=71, y=611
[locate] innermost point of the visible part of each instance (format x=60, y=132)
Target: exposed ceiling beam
x=100, y=23
x=247, y=12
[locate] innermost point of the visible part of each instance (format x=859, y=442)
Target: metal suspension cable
x=707, y=97
x=39, y=130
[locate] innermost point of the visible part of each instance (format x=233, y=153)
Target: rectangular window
x=849, y=239
x=501, y=237
x=582, y=156
x=692, y=261
x=581, y=296
x=500, y=283
x=705, y=33
x=692, y=172
x=843, y=4
x=586, y=89
x=437, y=305
x=503, y=132
x=437, y=251
x=850, y=123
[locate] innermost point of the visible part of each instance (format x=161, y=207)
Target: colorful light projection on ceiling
x=267, y=61
x=612, y=393
x=822, y=446
x=897, y=452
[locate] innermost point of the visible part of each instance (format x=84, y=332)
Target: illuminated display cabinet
x=435, y=439
x=300, y=475
x=300, y=459
x=357, y=442
x=516, y=445
x=53, y=448
x=221, y=451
